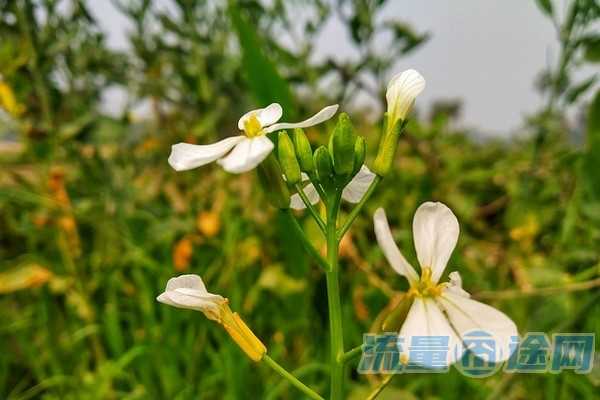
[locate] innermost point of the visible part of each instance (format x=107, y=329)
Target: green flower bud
x=303, y=151
x=271, y=180
x=324, y=165
x=342, y=145
x=360, y=153
x=287, y=158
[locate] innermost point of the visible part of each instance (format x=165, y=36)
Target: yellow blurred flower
x=208, y=223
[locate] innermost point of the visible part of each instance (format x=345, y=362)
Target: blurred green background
x=93, y=221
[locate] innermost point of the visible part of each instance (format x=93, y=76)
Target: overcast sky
x=486, y=52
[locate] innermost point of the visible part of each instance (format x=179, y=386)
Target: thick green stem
x=333, y=296
x=291, y=378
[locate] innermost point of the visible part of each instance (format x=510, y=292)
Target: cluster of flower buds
x=332, y=166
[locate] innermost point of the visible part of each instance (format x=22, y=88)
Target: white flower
x=242, y=153
x=440, y=309
x=401, y=93
x=188, y=291
x=352, y=193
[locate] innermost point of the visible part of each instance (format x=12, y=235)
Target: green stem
x=291, y=378
x=333, y=297
x=356, y=210
x=380, y=388
x=310, y=208
x=349, y=355
x=308, y=246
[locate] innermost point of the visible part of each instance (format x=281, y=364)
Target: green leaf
x=261, y=74
x=545, y=6
x=591, y=159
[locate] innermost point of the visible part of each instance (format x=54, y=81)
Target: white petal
x=188, y=281
x=266, y=116
x=435, y=232
x=270, y=114
x=186, y=156
x=402, y=91
x=247, y=154
x=296, y=202
x=455, y=284
x=426, y=320
x=316, y=119
x=357, y=187
x=468, y=315
x=189, y=292
x=391, y=251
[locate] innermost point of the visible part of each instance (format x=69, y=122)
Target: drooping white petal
x=455, y=285
x=435, y=232
x=425, y=323
x=189, y=292
x=247, y=154
x=402, y=92
x=322, y=116
x=389, y=248
x=187, y=281
x=266, y=116
x=467, y=315
x=296, y=202
x=185, y=156
x=357, y=187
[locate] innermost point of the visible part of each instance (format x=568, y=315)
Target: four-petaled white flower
x=401, y=93
x=242, y=153
x=440, y=309
x=352, y=193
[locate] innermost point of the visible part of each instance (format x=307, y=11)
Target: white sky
x=485, y=52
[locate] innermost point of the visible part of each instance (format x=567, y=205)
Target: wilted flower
x=188, y=291
x=401, y=93
x=440, y=309
x=352, y=193
x=242, y=153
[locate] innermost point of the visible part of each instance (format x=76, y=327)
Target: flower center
x=252, y=126
x=426, y=287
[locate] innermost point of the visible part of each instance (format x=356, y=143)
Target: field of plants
x=94, y=221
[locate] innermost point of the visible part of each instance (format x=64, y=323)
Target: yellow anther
x=252, y=126
x=425, y=287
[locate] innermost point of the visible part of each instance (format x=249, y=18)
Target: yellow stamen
x=252, y=126
x=425, y=287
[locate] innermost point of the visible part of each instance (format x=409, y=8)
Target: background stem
x=291, y=378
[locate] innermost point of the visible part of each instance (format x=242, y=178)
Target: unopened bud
x=324, y=165
x=342, y=145
x=360, y=153
x=303, y=151
x=287, y=158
